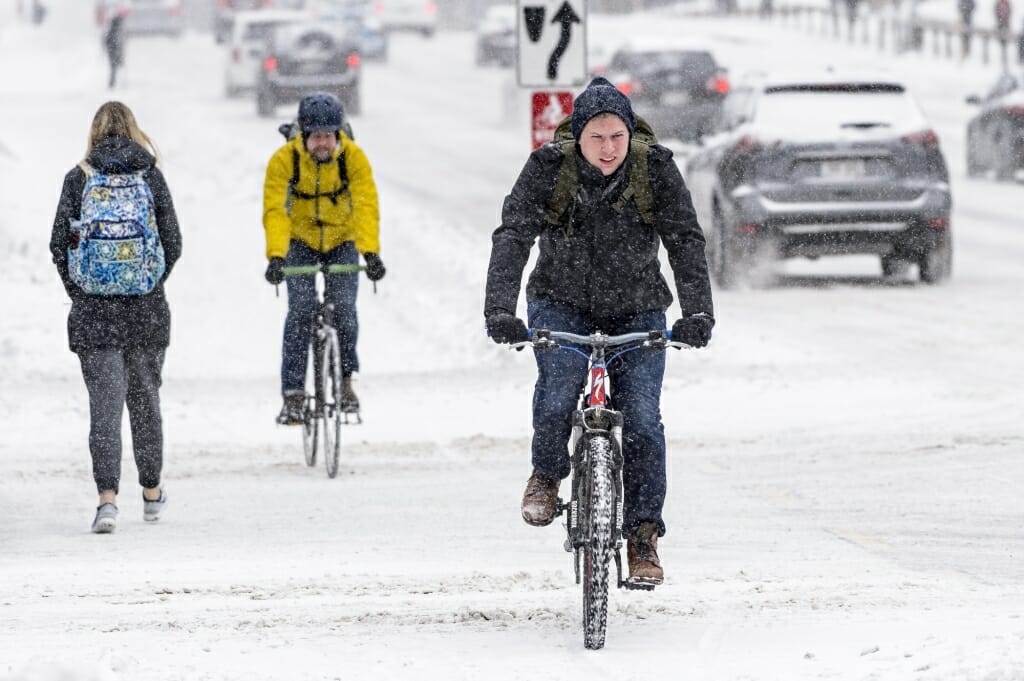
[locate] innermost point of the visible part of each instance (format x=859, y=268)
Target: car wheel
x=265, y=104
x=893, y=266
x=350, y=100
x=936, y=264
x=723, y=262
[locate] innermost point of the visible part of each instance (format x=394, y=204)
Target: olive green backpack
x=638, y=189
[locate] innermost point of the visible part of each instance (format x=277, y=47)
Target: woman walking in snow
x=121, y=337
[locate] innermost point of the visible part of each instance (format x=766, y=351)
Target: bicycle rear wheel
x=331, y=407
x=309, y=434
x=597, y=547
x=310, y=417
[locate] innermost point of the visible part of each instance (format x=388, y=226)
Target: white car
x=249, y=31
x=407, y=15
x=144, y=16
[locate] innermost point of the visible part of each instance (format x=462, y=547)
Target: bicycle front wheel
x=330, y=408
x=598, y=547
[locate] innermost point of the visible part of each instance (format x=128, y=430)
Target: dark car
x=678, y=89
x=822, y=166
x=496, y=37
x=305, y=57
x=995, y=135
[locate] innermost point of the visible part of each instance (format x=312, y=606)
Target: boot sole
x=104, y=526
x=539, y=522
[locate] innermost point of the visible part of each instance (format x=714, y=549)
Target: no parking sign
x=548, y=110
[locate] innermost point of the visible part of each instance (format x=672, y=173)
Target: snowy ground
x=845, y=466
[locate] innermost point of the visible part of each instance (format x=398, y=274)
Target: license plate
x=843, y=169
x=675, y=98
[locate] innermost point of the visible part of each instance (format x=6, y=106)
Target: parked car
x=407, y=15
x=224, y=15
x=995, y=135
x=496, y=36
x=678, y=88
x=143, y=16
x=249, y=32
x=305, y=57
x=822, y=166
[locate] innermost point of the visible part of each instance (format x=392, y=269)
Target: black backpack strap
x=565, y=184
x=293, y=184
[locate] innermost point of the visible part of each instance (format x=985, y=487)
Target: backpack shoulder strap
x=87, y=169
x=565, y=184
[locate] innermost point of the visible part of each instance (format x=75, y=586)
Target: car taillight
x=1015, y=111
x=378, y=8
x=748, y=228
x=235, y=54
x=748, y=143
x=431, y=8
x=222, y=4
x=938, y=223
x=628, y=87
x=270, y=64
x=353, y=60
x=926, y=138
x=175, y=9
x=717, y=84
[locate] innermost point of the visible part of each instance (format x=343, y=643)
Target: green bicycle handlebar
x=296, y=270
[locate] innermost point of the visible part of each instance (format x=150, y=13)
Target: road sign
x=549, y=109
x=552, y=42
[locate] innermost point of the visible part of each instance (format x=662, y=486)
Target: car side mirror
x=973, y=99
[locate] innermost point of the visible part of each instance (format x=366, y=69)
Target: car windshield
x=653, y=62
x=259, y=31
x=795, y=109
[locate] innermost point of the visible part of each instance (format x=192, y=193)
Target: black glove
x=694, y=330
x=506, y=328
x=374, y=267
x=275, y=271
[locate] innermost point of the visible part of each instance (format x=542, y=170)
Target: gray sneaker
x=151, y=509
x=106, y=519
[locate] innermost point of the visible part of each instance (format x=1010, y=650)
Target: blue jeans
x=636, y=379
x=340, y=290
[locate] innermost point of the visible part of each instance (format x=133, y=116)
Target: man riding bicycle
x=319, y=206
x=598, y=270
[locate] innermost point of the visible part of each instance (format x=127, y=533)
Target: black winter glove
x=275, y=271
x=506, y=328
x=694, y=330
x=374, y=267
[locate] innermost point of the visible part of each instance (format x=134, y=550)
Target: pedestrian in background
x=113, y=41
x=120, y=340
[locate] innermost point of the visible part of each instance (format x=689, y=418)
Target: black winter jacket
x=116, y=321
x=600, y=262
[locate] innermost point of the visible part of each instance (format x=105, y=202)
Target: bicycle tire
x=310, y=414
x=598, y=545
x=330, y=411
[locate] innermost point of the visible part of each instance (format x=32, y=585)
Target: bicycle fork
x=588, y=423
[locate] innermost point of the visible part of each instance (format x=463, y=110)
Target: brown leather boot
x=349, y=399
x=540, y=500
x=642, y=552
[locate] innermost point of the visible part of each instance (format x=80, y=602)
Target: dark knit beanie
x=601, y=97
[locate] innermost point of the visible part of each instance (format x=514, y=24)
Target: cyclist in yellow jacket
x=319, y=205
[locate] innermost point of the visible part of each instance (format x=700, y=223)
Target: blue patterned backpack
x=115, y=248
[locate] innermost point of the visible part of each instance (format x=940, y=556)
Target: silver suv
x=822, y=166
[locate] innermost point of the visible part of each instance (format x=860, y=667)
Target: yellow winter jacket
x=354, y=215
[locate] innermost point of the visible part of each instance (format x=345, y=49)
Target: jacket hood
x=119, y=155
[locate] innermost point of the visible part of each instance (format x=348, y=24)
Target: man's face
x=321, y=144
x=604, y=142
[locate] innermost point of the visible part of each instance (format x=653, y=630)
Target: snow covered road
x=845, y=466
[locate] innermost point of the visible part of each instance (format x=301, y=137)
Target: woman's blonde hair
x=114, y=119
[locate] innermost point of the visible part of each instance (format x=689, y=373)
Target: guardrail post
x=881, y=34
x=949, y=43
x=984, y=47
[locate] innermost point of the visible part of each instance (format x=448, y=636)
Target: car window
x=796, y=109
x=258, y=31
x=687, y=61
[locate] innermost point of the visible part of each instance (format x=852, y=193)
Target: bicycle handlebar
x=296, y=270
x=547, y=339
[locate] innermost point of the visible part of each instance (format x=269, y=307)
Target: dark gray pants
x=115, y=378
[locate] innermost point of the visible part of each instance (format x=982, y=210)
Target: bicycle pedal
x=634, y=584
